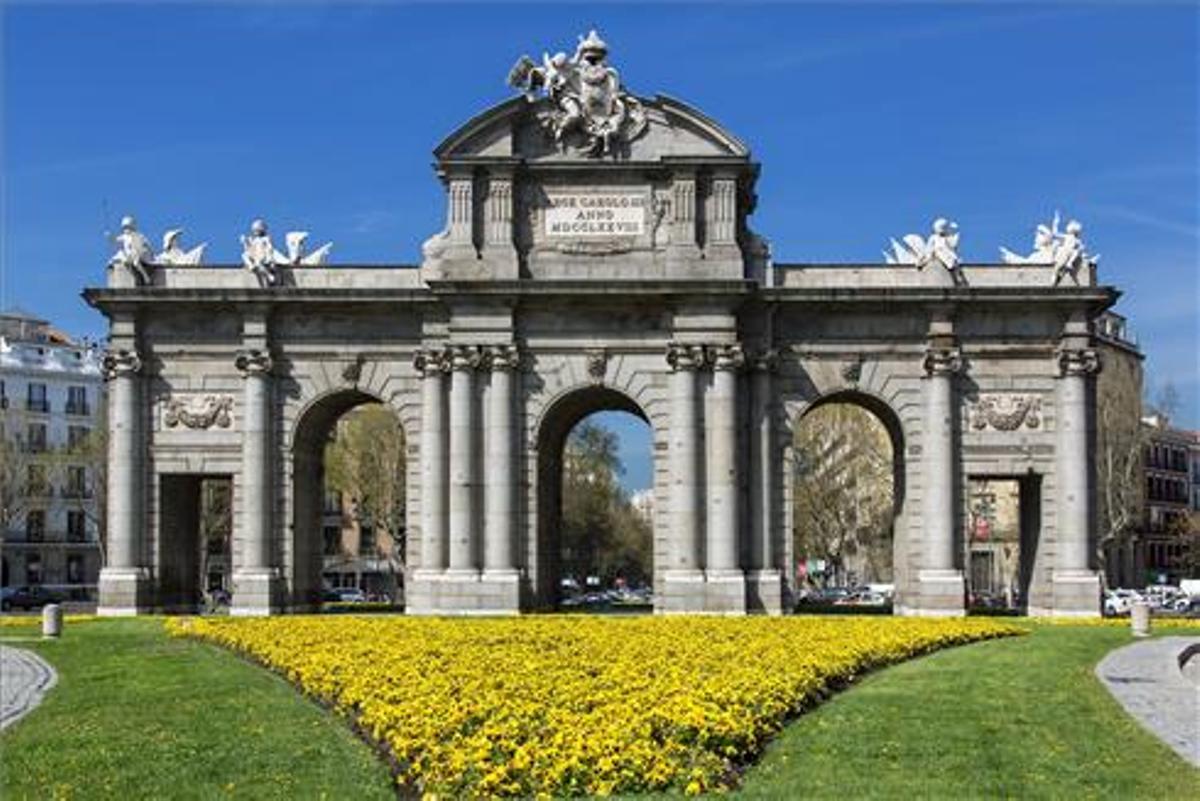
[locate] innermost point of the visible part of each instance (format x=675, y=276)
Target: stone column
x=683, y=578
x=123, y=579
x=940, y=583
x=499, y=492
x=726, y=586
x=1076, y=586
x=432, y=367
x=464, y=360
x=764, y=580
x=255, y=579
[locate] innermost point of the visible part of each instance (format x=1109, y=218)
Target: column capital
x=943, y=361
x=1077, y=361
x=685, y=357
x=503, y=357
x=253, y=362
x=764, y=360
x=464, y=357
x=123, y=362
x=431, y=362
x=728, y=357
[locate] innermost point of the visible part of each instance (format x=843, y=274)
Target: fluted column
x=432, y=367
x=499, y=492
x=1072, y=469
x=722, y=487
x=685, y=517
x=255, y=367
x=937, y=459
x=464, y=360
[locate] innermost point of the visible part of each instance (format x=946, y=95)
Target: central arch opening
x=349, y=509
x=848, y=488
x=596, y=504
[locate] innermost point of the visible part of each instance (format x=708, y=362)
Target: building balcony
x=80, y=409
x=40, y=406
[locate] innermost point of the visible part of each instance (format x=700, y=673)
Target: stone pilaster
x=124, y=588
x=939, y=583
x=256, y=579
x=683, y=579
x=499, y=247
x=764, y=580
x=1076, y=588
x=460, y=210
x=725, y=582
x=432, y=366
x=499, y=583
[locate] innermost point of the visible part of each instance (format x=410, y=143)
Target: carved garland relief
x=1006, y=412
x=199, y=412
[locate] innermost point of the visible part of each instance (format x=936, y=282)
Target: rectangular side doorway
x=1002, y=535
x=195, y=522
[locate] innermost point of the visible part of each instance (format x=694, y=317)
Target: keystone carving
x=597, y=364
x=199, y=412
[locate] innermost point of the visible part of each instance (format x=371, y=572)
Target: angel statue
x=941, y=246
x=134, y=253
x=173, y=254
x=1065, y=250
x=295, y=250
x=259, y=256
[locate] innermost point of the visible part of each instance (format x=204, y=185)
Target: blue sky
x=869, y=120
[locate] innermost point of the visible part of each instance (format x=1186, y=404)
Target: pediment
x=511, y=130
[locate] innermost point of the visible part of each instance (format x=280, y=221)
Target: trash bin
x=52, y=620
x=1139, y=618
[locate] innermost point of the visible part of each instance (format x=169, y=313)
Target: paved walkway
x=24, y=679
x=1146, y=678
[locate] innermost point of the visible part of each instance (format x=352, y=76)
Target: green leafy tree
x=602, y=534
x=365, y=463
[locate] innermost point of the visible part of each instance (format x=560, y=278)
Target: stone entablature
x=569, y=280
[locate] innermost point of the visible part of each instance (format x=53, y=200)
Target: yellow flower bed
x=571, y=705
x=1115, y=622
x=35, y=621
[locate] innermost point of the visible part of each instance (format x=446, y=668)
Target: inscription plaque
x=596, y=215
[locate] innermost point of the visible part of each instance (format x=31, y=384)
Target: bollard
x=1139, y=618
x=52, y=620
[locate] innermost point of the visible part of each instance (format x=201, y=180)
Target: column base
x=938, y=593
x=725, y=592
x=464, y=592
x=123, y=592
x=256, y=592
x=683, y=593
x=1074, y=593
x=764, y=592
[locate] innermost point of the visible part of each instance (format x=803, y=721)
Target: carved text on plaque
x=581, y=214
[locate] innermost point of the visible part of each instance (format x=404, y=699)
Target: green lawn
x=1015, y=718
x=137, y=715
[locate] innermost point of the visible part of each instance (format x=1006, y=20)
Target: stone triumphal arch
x=597, y=254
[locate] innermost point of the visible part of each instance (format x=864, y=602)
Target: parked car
x=34, y=597
x=350, y=595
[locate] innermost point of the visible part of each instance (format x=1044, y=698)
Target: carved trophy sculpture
x=586, y=108
x=295, y=250
x=940, y=247
x=259, y=255
x=134, y=253
x=173, y=254
x=1065, y=250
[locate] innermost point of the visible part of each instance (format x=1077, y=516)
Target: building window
x=76, y=482
x=36, y=401
x=3, y=396
x=333, y=540
x=332, y=502
x=77, y=402
x=35, y=436
x=33, y=569
x=74, y=569
x=76, y=525
x=35, y=525
x=36, y=485
x=366, y=541
x=77, y=435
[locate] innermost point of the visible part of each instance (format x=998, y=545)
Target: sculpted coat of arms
x=587, y=109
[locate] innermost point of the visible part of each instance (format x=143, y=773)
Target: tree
x=1120, y=458
x=843, y=505
x=365, y=463
x=602, y=534
x=15, y=460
